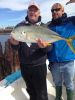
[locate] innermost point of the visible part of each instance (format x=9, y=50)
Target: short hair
x=58, y=4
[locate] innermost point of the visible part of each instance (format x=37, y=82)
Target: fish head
x=23, y=34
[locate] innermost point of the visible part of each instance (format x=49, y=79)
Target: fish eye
x=23, y=32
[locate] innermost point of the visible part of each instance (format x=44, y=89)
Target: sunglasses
x=57, y=9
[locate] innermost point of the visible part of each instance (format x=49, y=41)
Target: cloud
x=23, y=4
x=14, y=4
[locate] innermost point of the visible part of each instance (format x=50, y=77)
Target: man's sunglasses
x=57, y=9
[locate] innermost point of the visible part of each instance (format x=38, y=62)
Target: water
x=3, y=39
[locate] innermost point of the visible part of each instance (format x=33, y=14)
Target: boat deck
x=17, y=90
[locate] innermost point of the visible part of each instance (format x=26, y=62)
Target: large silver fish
x=30, y=33
x=71, y=1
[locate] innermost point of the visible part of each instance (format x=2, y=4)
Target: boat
x=13, y=87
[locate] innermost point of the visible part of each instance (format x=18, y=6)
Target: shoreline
x=5, y=31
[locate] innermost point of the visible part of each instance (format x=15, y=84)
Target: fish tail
x=70, y=43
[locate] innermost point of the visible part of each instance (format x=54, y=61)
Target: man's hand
x=42, y=44
x=13, y=41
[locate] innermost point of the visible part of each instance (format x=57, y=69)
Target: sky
x=14, y=11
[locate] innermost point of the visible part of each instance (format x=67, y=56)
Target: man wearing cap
x=33, y=58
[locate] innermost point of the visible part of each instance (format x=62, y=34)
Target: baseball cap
x=33, y=5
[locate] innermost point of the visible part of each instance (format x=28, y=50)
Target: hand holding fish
x=42, y=44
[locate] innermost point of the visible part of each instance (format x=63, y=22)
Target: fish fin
x=70, y=44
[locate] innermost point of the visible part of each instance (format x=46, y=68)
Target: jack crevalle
x=30, y=33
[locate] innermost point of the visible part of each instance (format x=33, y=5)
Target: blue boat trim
x=13, y=77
